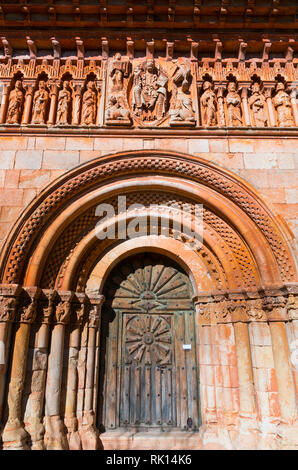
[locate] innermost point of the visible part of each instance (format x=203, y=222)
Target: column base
x=14, y=436
x=55, y=435
x=88, y=432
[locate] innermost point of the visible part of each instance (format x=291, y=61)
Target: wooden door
x=149, y=368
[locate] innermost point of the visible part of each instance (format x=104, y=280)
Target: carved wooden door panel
x=149, y=363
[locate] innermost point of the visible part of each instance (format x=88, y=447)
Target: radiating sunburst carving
x=148, y=339
x=146, y=286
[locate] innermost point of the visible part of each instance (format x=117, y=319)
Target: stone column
x=77, y=101
x=71, y=420
x=8, y=302
x=271, y=110
x=277, y=315
x=294, y=104
x=89, y=433
x=244, y=361
x=221, y=108
x=4, y=100
x=53, y=104
x=55, y=438
x=246, y=115
x=34, y=407
x=29, y=87
x=14, y=435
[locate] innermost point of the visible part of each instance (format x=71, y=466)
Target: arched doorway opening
x=149, y=367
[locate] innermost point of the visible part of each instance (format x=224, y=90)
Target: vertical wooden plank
x=183, y=373
x=170, y=396
x=148, y=395
x=111, y=391
x=177, y=354
x=158, y=396
x=193, y=375
x=137, y=396
x=164, y=401
x=125, y=396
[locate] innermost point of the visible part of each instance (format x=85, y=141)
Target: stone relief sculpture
x=116, y=113
x=208, y=105
x=16, y=101
x=282, y=104
x=89, y=104
x=181, y=111
x=149, y=92
x=157, y=92
x=257, y=105
x=233, y=104
x=120, y=69
x=40, y=101
x=64, y=104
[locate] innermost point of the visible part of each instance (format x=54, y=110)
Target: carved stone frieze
x=147, y=92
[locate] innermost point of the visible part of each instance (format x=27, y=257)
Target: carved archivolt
x=147, y=92
x=99, y=171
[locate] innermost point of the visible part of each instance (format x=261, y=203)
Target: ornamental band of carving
x=147, y=92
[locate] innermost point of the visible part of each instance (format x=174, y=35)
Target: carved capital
x=292, y=307
x=64, y=307
x=29, y=303
x=80, y=309
x=48, y=303
x=9, y=296
x=275, y=307
x=95, y=311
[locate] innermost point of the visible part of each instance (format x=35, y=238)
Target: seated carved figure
x=282, y=104
x=209, y=105
x=233, y=102
x=256, y=103
x=116, y=110
x=40, y=101
x=16, y=100
x=183, y=111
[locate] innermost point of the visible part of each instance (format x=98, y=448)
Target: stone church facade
x=157, y=340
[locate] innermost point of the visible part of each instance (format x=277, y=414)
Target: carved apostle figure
x=116, y=110
x=89, y=104
x=64, y=102
x=120, y=69
x=233, y=102
x=256, y=103
x=16, y=100
x=149, y=93
x=40, y=101
x=209, y=105
x=282, y=104
x=181, y=109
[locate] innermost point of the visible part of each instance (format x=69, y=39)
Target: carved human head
x=207, y=85
x=18, y=84
x=232, y=86
x=280, y=86
x=255, y=87
x=90, y=85
x=117, y=56
x=65, y=84
x=113, y=99
x=42, y=84
x=150, y=65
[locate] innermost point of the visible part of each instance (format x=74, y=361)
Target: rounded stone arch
x=234, y=210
